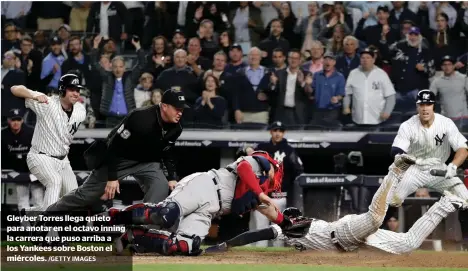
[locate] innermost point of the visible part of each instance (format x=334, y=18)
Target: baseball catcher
x=353, y=231
x=184, y=218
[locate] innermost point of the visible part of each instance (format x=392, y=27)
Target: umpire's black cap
x=426, y=96
x=175, y=98
x=277, y=125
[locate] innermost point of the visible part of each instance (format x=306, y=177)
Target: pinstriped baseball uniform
x=427, y=144
x=52, y=137
x=318, y=237
x=350, y=231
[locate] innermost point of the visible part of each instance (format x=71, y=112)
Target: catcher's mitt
x=296, y=227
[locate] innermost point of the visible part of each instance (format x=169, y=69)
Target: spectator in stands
x=77, y=60
x=199, y=11
x=235, y=55
x=180, y=77
x=15, y=12
x=142, y=91
x=208, y=41
x=10, y=41
x=51, y=66
x=160, y=58
x=79, y=15
x=452, y=87
x=462, y=63
x=399, y=14
x=350, y=59
x=422, y=193
x=393, y=224
x=272, y=42
x=178, y=40
x=304, y=26
x=16, y=142
x=405, y=29
x=289, y=20
x=64, y=34
x=109, y=19
x=251, y=101
x=341, y=12
x=436, y=8
x=210, y=108
x=248, y=24
x=412, y=66
x=291, y=87
x=279, y=60
x=444, y=41
x=40, y=42
x=109, y=48
x=370, y=11
x=158, y=21
x=156, y=97
x=335, y=43
x=268, y=11
x=328, y=88
x=197, y=62
x=11, y=76
x=381, y=34
x=31, y=61
x=373, y=95
x=225, y=42
x=218, y=71
x=316, y=55
x=50, y=15
x=323, y=27
x=117, y=87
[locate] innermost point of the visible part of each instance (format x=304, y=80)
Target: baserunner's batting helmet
x=69, y=80
x=425, y=96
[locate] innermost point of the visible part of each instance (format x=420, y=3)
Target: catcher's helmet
x=69, y=80
x=425, y=96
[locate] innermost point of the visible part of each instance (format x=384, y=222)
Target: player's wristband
x=279, y=218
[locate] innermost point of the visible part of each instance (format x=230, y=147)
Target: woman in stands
x=210, y=108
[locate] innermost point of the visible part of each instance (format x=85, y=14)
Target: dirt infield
x=362, y=258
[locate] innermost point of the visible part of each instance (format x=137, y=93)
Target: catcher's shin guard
x=137, y=214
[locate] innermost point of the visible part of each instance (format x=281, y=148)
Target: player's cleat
x=220, y=248
x=456, y=201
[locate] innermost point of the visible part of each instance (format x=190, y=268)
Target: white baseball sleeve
x=403, y=138
x=35, y=106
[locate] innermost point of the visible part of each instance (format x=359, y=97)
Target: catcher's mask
x=265, y=160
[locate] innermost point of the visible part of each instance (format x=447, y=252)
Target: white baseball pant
x=259, y=221
x=399, y=243
x=56, y=175
x=23, y=195
x=419, y=176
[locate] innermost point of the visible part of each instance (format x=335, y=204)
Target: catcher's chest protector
x=244, y=199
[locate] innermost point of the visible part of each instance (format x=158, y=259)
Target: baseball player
x=198, y=198
x=347, y=234
x=428, y=137
x=58, y=119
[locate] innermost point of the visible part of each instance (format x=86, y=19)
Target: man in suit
x=291, y=87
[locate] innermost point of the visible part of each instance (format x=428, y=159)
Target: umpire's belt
x=56, y=157
x=336, y=243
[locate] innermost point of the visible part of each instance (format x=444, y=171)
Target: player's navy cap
x=277, y=125
x=16, y=114
x=426, y=96
x=175, y=98
x=179, y=31
x=55, y=40
x=448, y=58
x=236, y=46
x=414, y=30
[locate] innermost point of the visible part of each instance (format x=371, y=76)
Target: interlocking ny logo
x=426, y=96
x=75, y=81
x=439, y=140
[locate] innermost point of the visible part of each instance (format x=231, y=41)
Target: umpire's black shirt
x=144, y=137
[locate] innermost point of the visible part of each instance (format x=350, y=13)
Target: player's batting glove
x=451, y=171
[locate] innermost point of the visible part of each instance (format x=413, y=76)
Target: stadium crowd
x=243, y=64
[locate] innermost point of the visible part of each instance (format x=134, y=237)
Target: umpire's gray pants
x=149, y=175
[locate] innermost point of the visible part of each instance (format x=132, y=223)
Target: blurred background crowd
x=338, y=65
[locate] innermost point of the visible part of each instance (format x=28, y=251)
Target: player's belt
x=278, y=194
x=218, y=192
x=56, y=157
x=336, y=243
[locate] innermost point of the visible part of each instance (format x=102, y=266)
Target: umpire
x=137, y=146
